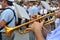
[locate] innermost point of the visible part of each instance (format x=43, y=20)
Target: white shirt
x=53, y=8
x=0, y=6
x=25, y=7
x=43, y=11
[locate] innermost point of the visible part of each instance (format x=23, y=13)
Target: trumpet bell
x=8, y=31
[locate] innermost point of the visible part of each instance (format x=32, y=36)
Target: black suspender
x=13, y=17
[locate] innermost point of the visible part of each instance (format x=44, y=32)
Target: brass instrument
x=10, y=30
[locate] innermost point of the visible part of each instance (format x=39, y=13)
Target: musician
x=33, y=8
x=57, y=22
x=23, y=5
x=52, y=6
x=43, y=11
x=36, y=27
x=7, y=18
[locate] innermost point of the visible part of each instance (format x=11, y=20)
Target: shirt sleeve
x=45, y=11
x=7, y=15
x=55, y=34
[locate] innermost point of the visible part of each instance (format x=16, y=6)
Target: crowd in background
x=36, y=8
x=32, y=8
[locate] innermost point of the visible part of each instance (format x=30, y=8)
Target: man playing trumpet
x=36, y=27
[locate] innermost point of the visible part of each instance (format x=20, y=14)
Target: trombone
x=10, y=30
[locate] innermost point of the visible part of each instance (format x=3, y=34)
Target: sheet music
x=21, y=12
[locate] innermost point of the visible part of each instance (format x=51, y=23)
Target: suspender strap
x=13, y=17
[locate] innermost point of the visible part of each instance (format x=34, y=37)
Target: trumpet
x=10, y=30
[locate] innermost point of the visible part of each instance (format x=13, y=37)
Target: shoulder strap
x=13, y=11
x=13, y=17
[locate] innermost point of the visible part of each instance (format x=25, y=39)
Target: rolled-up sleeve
x=7, y=15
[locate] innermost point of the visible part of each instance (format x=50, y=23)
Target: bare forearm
x=39, y=35
x=2, y=23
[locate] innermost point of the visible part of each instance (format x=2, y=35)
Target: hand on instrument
x=36, y=26
x=34, y=17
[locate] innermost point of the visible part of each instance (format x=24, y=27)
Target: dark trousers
x=0, y=36
x=3, y=36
